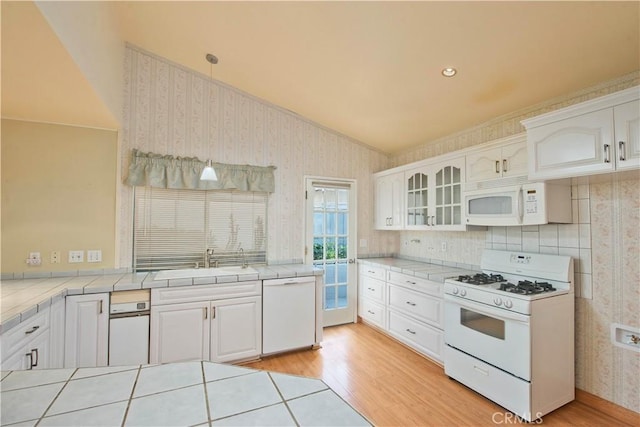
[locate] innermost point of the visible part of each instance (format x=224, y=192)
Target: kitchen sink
x=186, y=273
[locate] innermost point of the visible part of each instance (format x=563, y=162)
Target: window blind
x=174, y=228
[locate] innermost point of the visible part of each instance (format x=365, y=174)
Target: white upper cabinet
x=504, y=160
x=597, y=136
x=627, y=132
x=389, y=201
x=434, y=196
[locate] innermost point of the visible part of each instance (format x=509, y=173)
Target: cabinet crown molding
x=595, y=104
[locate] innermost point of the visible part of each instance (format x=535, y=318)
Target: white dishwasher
x=288, y=314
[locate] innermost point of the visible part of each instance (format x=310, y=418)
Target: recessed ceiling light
x=449, y=72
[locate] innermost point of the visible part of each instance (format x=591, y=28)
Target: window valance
x=166, y=171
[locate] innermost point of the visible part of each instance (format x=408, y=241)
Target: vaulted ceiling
x=371, y=70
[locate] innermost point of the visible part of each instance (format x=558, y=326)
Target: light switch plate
x=94, y=255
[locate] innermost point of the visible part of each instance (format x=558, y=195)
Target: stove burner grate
x=481, y=279
x=526, y=287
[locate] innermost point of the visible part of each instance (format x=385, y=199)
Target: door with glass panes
x=330, y=245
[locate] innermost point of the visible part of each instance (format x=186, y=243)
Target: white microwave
x=527, y=204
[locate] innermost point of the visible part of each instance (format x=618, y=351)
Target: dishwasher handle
x=130, y=314
x=290, y=281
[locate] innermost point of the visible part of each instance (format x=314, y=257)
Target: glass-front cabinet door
x=434, y=196
x=448, y=204
x=417, y=199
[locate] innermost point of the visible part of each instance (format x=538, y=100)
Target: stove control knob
x=463, y=292
x=455, y=291
x=497, y=301
x=508, y=303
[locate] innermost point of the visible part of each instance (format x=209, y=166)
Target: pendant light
x=208, y=173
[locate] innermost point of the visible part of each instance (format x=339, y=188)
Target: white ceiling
x=370, y=70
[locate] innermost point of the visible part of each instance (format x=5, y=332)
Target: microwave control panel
x=531, y=201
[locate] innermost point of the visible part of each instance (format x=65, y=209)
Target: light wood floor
x=393, y=386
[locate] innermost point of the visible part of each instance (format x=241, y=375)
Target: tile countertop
x=191, y=393
x=434, y=270
x=20, y=299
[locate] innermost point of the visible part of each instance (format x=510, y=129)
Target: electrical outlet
x=55, y=257
x=94, y=256
x=76, y=256
x=34, y=258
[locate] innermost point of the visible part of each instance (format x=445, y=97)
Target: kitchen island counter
x=190, y=393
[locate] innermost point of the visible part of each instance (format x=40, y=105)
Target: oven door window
x=482, y=323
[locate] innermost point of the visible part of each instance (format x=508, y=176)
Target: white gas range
x=509, y=331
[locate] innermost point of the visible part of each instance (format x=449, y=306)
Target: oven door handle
x=486, y=310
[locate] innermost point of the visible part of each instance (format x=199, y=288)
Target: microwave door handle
x=520, y=203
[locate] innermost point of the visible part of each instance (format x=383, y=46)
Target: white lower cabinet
x=27, y=345
x=56, y=333
x=179, y=332
x=205, y=324
x=424, y=338
x=406, y=307
x=235, y=329
x=86, y=330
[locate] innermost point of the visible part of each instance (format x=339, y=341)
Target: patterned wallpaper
x=173, y=110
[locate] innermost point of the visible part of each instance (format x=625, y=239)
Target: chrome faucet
x=207, y=257
x=244, y=259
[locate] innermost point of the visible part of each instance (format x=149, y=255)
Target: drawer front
x=422, y=337
x=373, y=271
x=372, y=313
x=504, y=389
x=421, y=285
x=372, y=288
x=426, y=308
x=161, y=296
x=22, y=334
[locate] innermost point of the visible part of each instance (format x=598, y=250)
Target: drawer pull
x=370, y=271
x=371, y=289
x=410, y=331
x=410, y=282
x=480, y=370
x=32, y=330
x=370, y=312
x=412, y=304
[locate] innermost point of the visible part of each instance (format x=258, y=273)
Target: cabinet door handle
x=412, y=304
x=32, y=330
x=504, y=165
x=206, y=314
x=213, y=312
x=410, y=331
x=621, y=148
x=607, y=158
x=497, y=166
x=30, y=356
x=100, y=307
x=36, y=352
